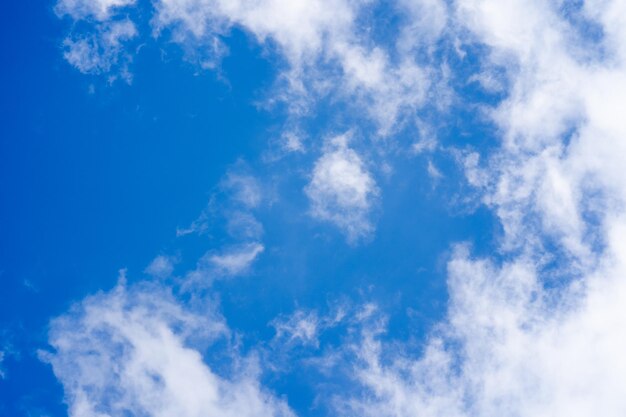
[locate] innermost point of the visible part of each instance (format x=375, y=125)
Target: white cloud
x=301, y=327
x=103, y=50
x=243, y=189
x=98, y=9
x=235, y=200
x=161, y=267
x=289, y=143
x=231, y=208
x=433, y=171
x=292, y=142
x=522, y=339
x=243, y=225
x=509, y=347
x=326, y=49
x=299, y=27
x=236, y=260
x=130, y=352
x=304, y=327
x=426, y=22
x=323, y=42
x=229, y=262
x=342, y=191
x=561, y=136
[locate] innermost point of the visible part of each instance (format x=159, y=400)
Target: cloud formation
x=342, y=191
x=536, y=332
x=102, y=49
x=100, y=10
x=161, y=267
x=131, y=352
x=326, y=52
x=508, y=347
x=533, y=330
x=234, y=261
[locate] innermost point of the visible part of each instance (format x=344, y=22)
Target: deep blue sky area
x=96, y=177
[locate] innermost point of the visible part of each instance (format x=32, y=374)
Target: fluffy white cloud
x=299, y=27
x=130, y=352
x=509, y=347
x=562, y=135
x=342, y=191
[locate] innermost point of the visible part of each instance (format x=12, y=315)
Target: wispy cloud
x=102, y=49
x=516, y=342
x=326, y=51
x=234, y=261
x=508, y=347
x=161, y=267
x=232, y=205
x=131, y=351
x=100, y=10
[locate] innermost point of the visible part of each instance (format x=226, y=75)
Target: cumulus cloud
x=342, y=191
x=130, y=352
x=509, y=347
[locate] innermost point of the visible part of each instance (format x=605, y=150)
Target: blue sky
x=316, y=208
